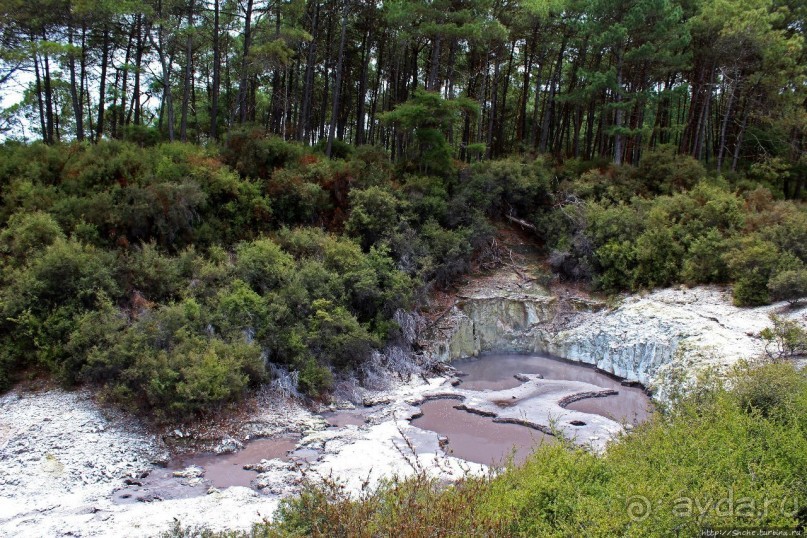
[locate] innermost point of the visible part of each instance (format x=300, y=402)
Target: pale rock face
x=658, y=339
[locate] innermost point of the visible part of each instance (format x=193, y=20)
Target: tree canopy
x=722, y=81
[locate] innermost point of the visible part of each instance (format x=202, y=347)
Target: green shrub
x=141, y=135
x=426, y=198
x=790, y=234
x=336, y=337
x=339, y=148
x=786, y=338
x=295, y=199
x=240, y=311
x=165, y=361
x=196, y=376
x=664, y=170
x=705, y=260
x=616, y=260
x=449, y=253
x=790, y=285
x=64, y=273
x=315, y=380
x=26, y=234
x=262, y=264
x=621, y=222
x=253, y=154
x=658, y=258
x=507, y=186
x=152, y=273
x=7, y=367
x=374, y=215
x=102, y=166
x=371, y=166
x=751, y=263
x=607, y=184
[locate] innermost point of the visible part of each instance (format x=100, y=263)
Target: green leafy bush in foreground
x=719, y=458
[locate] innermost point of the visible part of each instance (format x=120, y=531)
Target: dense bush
x=789, y=285
x=374, y=215
x=144, y=270
x=300, y=261
x=253, y=154
x=707, y=234
x=26, y=234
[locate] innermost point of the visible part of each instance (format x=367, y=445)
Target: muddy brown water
x=226, y=470
x=221, y=471
x=476, y=438
x=346, y=417
x=469, y=436
x=479, y=439
x=494, y=371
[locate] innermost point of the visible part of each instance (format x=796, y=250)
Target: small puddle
x=495, y=372
x=476, y=438
x=345, y=417
x=226, y=470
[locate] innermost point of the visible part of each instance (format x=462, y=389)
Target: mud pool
x=472, y=435
x=479, y=437
x=226, y=470
x=494, y=371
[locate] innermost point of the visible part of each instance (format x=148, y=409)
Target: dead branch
x=522, y=223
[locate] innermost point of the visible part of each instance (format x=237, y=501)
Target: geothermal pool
x=471, y=436
x=479, y=439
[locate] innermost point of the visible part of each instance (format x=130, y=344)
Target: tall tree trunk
x=739, y=141
x=376, y=90
x=243, y=90
x=304, y=125
x=167, y=104
x=549, y=103
x=721, y=149
x=619, y=112
x=536, y=103
x=48, y=96
x=494, y=87
x=337, y=85
x=434, y=72
x=90, y=111
x=500, y=121
x=216, y=83
x=138, y=64
x=102, y=86
x=362, y=93
x=121, y=115
x=452, y=58
x=188, y=79
x=529, y=57
x=113, y=127
x=39, y=100
x=74, y=91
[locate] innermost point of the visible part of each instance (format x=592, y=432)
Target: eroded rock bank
x=659, y=339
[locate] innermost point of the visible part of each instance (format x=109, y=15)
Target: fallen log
x=522, y=223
